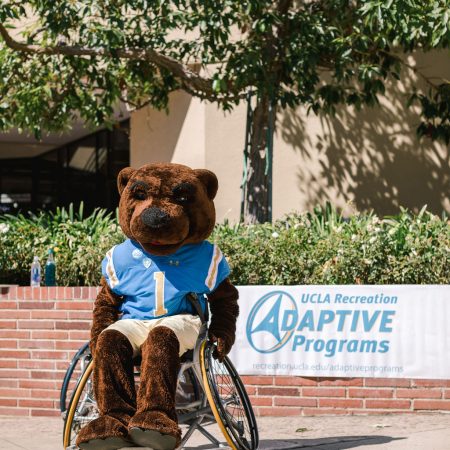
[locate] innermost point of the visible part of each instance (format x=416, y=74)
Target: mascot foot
x=154, y=429
x=104, y=433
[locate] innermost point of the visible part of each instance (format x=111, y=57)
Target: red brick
x=37, y=344
x=28, y=293
x=46, y=393
x=371, y=393
x=48, y=354
x=431, y=383
x=69, y=345
x=72, y=325
x=62, y=365
x=36, y=364
x=16, y=334
x=388, y=404
x=340, y=403
x=261, y=401
x=419, y=393
x=323, y=392
x=36, y=305
x=8, y=343
x=61, y=293
x=8, y=363
x=36, y=324
x=18, y=354
x=85, y=293
x=33, y=403
x=14, y=373
x=76, y=293
x=9, y=383
x=278, y=391
x=43, y=293
x=75, y=335
x=271, y=411
x=84, y=315
x=15, y=393
x=251, y=390
x=8, y=324
x=75, y=306
x=438, y=405
x=257, y=380
x=49, y=334
x=47, y=375
x=294, y=401
x=447, y=393
x=38, y=384
x=8, y=402
x=19, y=293
x=340, y=382
x=68, y=293
x=8, y=305
x=295, y=381
x=387, y=382
x=14, y=314
x=49, y=314
x=324, y=412
x=14, y=412
x=51, y=293
x=45, y=413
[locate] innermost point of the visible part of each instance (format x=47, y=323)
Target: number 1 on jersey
x=159, y=294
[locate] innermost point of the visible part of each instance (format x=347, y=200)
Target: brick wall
x=41, y=329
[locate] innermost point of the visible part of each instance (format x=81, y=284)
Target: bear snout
x=155, y=218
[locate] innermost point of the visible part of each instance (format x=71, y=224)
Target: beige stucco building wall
x=358, y=160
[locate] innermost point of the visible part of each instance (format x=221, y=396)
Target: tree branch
x=188, y=77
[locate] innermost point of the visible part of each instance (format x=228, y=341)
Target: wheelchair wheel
x=228, y=400
x=82, y=408
x=72, y=375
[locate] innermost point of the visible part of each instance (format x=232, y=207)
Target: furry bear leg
x=115, y=392
x=155, y=423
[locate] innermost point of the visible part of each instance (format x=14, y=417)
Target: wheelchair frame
x=208, y=406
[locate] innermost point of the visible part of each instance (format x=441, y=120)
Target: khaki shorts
x=185, y=326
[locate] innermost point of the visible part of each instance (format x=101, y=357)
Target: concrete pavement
x=389, y=432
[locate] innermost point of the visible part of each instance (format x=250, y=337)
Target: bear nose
x=155, y=218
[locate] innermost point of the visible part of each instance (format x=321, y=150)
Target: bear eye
x=138, y=190
x=183, y=193
x=139, y=194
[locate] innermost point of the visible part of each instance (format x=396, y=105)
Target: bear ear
x=123, y=178
x=209, y=179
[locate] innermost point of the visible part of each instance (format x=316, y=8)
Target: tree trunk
x=258, y=189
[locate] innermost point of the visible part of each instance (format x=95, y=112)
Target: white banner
x=396, y=331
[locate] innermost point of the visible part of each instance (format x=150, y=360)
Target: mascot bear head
x=164, y=206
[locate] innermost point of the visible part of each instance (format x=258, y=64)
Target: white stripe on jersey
x=110, y=270
x=213, y=268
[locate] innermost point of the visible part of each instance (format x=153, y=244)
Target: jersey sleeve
x=218, y=269
x=110, y=272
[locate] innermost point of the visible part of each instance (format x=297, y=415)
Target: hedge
x=321, y=247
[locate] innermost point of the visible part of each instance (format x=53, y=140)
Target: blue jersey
x=157, y=286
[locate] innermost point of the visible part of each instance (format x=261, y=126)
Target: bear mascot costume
x=167, y=212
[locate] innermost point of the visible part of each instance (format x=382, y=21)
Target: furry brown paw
x=154, y=429
x=103, y=433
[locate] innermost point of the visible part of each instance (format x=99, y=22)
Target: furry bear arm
x=106, y=312
x=224, y=312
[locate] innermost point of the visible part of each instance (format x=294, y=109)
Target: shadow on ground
x=330, y=443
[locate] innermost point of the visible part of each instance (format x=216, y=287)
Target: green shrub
x=81, y=243
x=313, y=248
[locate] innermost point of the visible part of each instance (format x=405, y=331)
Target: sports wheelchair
x=208, y=391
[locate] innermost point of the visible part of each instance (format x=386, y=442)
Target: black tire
x=69, y=382
x=82, y=407
x=229, y=401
